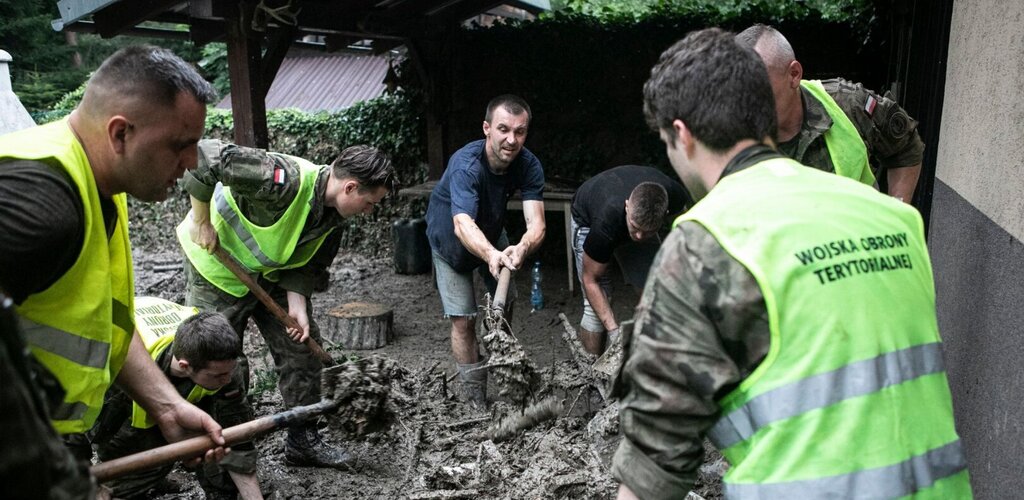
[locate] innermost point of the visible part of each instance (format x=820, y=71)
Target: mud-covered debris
x=511, y=370
x=443, y=494
x=532, y=415
x=451, y=477
x=365, y=390
x=603, y=434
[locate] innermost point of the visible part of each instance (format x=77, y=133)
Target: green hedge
x=390, y=122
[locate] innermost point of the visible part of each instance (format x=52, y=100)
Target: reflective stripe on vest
x=825, y=389
x=890, y=481
x=261, y=250
x=80, y=327
x=234, y=221
x=79, y=350
x=845, y=145
x=851, y=398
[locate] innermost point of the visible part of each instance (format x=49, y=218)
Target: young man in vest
x=466, y=225
x=768, y=323
x=618, y=213
x=282, y=217
x=198, y=354
x=834, y=125
x=64, y=231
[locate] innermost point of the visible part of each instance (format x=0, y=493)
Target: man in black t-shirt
x=618, y=213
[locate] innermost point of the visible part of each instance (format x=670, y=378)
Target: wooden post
x=248, y=92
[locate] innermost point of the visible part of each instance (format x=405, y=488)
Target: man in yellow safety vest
x=789, y=316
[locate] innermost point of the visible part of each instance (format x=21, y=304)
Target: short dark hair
x=719, y=89
x=648, y=205
x=206, y=337
x=513, y=103
x=149, y=73
x=366, y=164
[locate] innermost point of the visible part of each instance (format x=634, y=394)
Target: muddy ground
x=431, y=445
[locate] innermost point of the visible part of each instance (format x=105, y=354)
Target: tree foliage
x=635, y=10
x=42, y=71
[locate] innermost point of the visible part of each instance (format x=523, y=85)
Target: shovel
x=197, y=446
x=501, y=291
x=261, y=294
x=336, y=387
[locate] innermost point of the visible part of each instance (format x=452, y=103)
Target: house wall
x=977, y=229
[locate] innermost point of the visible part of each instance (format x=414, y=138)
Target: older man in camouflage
x=835, y=125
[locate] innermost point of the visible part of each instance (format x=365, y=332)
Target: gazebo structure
x=258, y=34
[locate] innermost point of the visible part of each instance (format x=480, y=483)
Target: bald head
x=774, y=49
x=784, y=73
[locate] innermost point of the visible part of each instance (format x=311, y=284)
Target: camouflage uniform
x=250, y=173
x=700, y=329
x=888, y=132
x=115, y=437
x=34, y=464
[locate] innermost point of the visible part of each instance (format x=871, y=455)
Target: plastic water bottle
x=536, y=294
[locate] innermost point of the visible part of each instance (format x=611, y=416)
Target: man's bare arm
x=592, y=270
x=474, y=240
x=533, y=214
x=902, y=182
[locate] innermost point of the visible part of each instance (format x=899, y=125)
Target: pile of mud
x=412, y=438
x=437, y=447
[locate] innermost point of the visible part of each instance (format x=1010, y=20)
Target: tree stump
x=360, y=325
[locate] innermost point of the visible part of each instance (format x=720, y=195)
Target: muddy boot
x=474, y=382
x=593, y=342
x=304, y=446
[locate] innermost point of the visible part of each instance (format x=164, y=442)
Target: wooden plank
x=121, y=16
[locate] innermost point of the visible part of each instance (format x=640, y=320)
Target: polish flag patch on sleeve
x=869, y=107
x=279, y=176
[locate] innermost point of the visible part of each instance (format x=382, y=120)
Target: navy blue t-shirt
x=469, y=187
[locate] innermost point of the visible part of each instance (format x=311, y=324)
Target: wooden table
x=556, y=199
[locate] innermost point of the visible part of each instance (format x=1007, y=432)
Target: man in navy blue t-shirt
x=466, y=220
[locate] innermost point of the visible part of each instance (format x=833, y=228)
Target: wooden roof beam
x=121, y=16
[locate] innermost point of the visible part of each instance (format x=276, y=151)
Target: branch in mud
x=584, y=360
x=511, y=371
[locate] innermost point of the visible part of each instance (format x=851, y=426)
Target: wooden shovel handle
x=501, y=292
x=261, y=294
x=199, y=445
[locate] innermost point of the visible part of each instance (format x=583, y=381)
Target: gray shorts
x=590, y=321
x=634, y=260
x=458, y=295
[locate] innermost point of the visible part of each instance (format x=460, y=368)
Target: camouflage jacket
x=888, y=132
x=701, y=328
x=263, y=199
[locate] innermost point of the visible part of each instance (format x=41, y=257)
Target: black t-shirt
x=600, y=204
x=41, y=226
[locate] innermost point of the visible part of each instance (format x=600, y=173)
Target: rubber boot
x=304, y=446
x=593, y=342
x=474, y=382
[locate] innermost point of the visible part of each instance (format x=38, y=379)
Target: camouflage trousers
x=297, y=369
